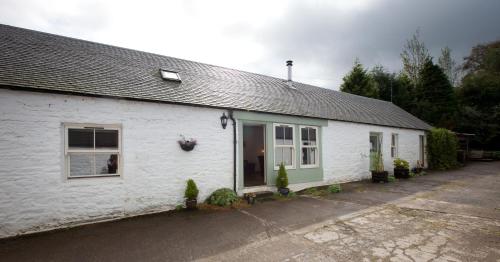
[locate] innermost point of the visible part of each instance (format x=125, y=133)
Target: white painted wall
x=35, y=194
x=346, y=149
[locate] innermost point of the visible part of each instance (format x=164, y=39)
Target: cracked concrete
x=445, y=216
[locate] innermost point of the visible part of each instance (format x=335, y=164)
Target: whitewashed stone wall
x=35, y=194
x=346, y=149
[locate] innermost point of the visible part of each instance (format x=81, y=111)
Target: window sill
x=107, y=175
x=309, y=167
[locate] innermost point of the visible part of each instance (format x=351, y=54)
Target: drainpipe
x=230, y=113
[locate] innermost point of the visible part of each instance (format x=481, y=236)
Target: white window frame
x=67, y=150
x=294, y=154
x=316, y=146
x=395, y=146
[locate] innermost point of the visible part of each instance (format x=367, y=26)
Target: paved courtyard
x=444, y=216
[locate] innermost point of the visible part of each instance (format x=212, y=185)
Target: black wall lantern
x=223, y=120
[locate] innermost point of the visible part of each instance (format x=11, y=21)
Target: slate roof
x=47, y=62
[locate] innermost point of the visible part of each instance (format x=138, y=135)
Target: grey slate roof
x=41, y=61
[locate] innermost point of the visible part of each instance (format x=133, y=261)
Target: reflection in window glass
x=106, y=138
x=81, y=165
x=106, y=163
x=81, y=138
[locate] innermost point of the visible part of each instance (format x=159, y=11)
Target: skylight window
x=170, y=75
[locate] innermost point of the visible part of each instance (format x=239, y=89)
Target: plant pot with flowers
x=282, y=181
x=191, y=195
x=401, y=168
x=379, y=174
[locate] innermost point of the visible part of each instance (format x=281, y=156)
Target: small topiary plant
x=222, y=197
x=191, y=190
x=282, y=179
x=334, y=188
x=401, y=163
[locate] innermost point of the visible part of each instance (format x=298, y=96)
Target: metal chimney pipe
x=289, y=64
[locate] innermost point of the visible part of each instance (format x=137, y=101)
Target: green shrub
x=379, y=162
x=191, y=190
x=442, y=147
x=391, y=179
x=282, y=179
x=334, y=188
x=222, y=197
x=401, y=163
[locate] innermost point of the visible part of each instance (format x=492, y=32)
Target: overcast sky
x=322, y=37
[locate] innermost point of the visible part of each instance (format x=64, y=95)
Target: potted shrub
x=282, y=181
x=401, y=168
x=223, y=197
x=191, y=194
x=379, y=174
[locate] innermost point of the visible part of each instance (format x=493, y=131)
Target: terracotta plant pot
x=401, y=173
x=380, y=176
x=191, y=204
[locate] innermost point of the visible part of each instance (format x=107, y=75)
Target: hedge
x=442, y=147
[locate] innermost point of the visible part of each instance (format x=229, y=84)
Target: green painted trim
x=263, y=117
x=296, y=175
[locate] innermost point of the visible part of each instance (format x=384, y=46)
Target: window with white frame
x=309, y=141
x=92, y=150
x=284, y=145
x=394, y=145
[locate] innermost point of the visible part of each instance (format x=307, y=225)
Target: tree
x=414, y=56
x=359, y=82
x=448, y=65
x=394, y=88
x=479, y=96
x=436, y=101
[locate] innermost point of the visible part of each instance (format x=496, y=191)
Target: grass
x=322, y=191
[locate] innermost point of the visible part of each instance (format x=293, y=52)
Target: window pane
x=106, y=164
x=312, y=154
x=106, y=138
x=304, y=134
x=393, y=152
x=279, y=133
x=278, y=156
x=288, y=135
x=81, y=164
x=287, y=156
x=305, y=156
x=312, y=136
x=81, y=138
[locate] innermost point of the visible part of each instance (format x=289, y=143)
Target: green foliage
x=479, y=97
x=401, y=163
x=391, y=179
x=442, y=147
x=378, y=162
x=191, y=190
x=335, y=188
x=282, y=178
x=179, y=207
x=436, y=101
x=222, y=197
x=359, y=82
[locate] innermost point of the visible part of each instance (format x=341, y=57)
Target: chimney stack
x=289, y=64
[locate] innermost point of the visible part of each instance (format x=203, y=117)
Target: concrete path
x=444, y=216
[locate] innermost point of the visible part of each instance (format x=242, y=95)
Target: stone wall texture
x=36, y=195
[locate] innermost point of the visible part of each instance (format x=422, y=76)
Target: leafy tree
x=479, y=96
x=436, y=101
x=359, y=82
x=448, y=65
x=392, y=87
x=414, y=56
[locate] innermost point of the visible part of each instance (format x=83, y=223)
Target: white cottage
x=90, y=132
